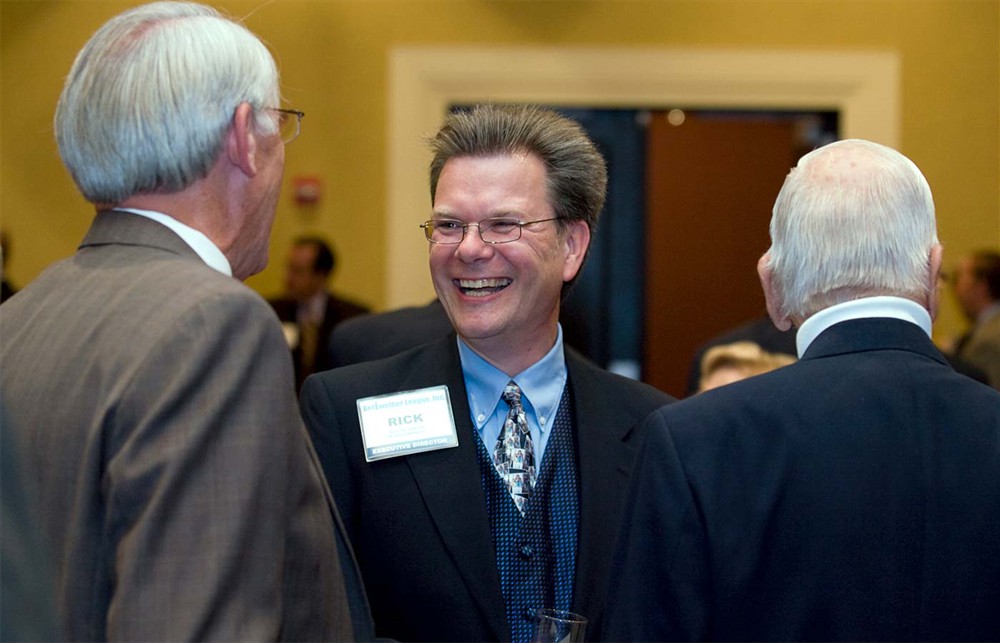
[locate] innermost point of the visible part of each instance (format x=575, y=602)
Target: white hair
x=150, y=96
x=853, y=219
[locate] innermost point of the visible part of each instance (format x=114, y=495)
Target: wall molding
x=423, y=81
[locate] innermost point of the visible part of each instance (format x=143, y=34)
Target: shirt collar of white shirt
x=313, y=309
x=892, y=307
x=197, y=240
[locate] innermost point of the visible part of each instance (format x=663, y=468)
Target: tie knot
x=512, y=394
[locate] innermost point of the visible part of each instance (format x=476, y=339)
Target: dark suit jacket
x=177, y=485
x=853, y=495
x=419, y=523
x=337, y=311
x=375, y=336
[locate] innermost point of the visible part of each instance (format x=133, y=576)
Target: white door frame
x=424, y=81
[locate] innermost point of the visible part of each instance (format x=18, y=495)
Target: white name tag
x=404, y=423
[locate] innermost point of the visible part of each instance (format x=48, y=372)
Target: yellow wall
x=334, y=55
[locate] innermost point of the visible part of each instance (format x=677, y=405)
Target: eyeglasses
x=493, y=230
x=288, y=127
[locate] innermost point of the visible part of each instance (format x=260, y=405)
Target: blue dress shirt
x=541, y=385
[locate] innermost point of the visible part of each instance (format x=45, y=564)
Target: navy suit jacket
x=854, y=495
x=419, y=522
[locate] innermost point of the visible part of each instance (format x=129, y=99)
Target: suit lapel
x=604, y=466
x=450, y=483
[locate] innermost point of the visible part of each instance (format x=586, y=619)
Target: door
x=711, y=183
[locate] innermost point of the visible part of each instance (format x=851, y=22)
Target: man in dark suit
x=150, y=390
x=521, y=510
x=307, y=310
x=853, y=495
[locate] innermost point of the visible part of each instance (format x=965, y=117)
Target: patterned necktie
x=514, y=454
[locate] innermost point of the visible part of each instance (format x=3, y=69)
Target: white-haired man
x=853, y=495
x=150, y=389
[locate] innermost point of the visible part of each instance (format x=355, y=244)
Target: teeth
x=482, y=287
x=483, y=283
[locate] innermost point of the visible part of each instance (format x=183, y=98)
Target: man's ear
x=934, y=279
x=775, y=302
x=576, y=240
x=241, y=140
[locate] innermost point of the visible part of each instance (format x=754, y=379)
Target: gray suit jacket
x=182, y=498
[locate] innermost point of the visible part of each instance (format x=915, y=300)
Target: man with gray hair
x=853, y=495
x=481, y=476
x=150, y=390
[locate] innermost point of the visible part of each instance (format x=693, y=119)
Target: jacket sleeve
x=320, y=415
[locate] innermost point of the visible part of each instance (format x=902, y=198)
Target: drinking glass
x=559, y=626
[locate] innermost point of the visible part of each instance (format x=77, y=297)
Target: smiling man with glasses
x=481, y=475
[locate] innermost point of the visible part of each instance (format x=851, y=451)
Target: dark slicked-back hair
x=326, y=259
x=576, y=173
x=986, y=266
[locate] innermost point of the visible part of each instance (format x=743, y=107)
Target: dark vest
x=536, y=553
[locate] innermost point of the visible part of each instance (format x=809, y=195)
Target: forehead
x=302, y=253
x=497, y=182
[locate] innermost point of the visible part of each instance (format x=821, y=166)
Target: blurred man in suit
x=308, y=310
x=853, y=495
x=150, y=390
x=520, y=509
x=976, y=285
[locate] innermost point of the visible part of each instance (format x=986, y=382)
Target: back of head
x=576, y=173
x=853, y=219
x=150, y=96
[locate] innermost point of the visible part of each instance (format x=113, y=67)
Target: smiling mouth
x=481, y=287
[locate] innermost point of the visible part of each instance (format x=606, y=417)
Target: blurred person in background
x=976, y=286
x=307, y=309
x=728, y=363
x=7, y=289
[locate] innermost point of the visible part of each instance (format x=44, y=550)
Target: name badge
x=409, y=422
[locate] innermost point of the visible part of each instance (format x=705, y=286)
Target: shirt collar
x=541, y=383
x=196, y=239
x=313, y=309
x=893, y=307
